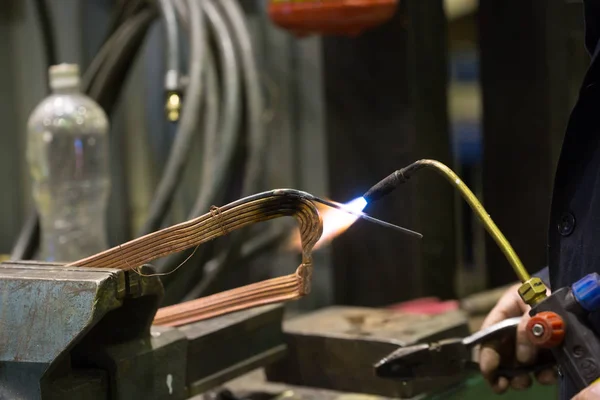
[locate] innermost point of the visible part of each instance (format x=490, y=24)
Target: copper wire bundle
x=219, y=222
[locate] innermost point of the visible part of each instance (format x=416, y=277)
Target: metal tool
x=450, y=357
x=560, y=320
x=560, y=323
x=85, y=333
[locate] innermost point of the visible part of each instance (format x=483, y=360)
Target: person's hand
x=592, y=392
x=510, y=305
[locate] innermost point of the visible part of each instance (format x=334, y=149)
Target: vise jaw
x=59, y=325
x=83, y=333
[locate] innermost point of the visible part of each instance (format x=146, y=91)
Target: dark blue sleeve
x=544, y=275
x=592, y=24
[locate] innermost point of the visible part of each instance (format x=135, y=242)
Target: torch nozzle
x=385, y=186
x=388, y=184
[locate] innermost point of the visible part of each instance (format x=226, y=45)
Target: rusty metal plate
x=49, y=311
x=335, y=348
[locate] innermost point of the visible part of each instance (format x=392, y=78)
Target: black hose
x=29, y=238
x=167, y=10
x=217, y=164
x=179, y=153
x=47, y=30
x=107, y=85
x=124, y=10
x=98, y=61
x=256, y=138
x=256, y=130
x=176, y=285
x=218, y=168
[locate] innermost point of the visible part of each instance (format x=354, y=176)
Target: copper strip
x=219, y=221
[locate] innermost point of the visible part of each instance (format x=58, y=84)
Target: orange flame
x=335, y=222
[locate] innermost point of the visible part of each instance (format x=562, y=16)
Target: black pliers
x=451, y=357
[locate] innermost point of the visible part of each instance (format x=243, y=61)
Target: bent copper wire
x=220, y=221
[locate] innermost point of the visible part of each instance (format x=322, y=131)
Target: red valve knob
x=546, y=329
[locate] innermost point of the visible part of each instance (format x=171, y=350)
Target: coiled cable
x=187, y=126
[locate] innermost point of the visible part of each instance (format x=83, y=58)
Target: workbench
x=471, y=388
x=86, y=333
x=327, y=325
x=74, y=333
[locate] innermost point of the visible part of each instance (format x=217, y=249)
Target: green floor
x=477, y=388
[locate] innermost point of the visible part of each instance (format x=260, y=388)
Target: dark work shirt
x=574, y=234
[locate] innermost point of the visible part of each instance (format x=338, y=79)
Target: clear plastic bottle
x=67, y=152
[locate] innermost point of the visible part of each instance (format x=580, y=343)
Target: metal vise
x=73, y=333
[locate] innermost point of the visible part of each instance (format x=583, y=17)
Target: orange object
x=330, y=17
x=425, y=306
x=546, y=329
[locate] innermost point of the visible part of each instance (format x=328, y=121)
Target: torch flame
x=335, y=222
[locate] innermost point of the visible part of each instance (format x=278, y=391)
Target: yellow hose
x=484, y=217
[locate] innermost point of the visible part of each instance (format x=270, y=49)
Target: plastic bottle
x=67, y=152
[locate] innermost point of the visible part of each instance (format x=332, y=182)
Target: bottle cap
x=587, y=292
x=64, y=76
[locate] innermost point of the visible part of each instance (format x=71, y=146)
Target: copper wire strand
x=216, y=214
x=138, y=270
x=184, y=235
x=218, y=222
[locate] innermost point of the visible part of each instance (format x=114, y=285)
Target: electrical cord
x=121, y=18
x=217, y=157
x=212, y=136
x=227, y=44
x=182, y=13
x=256, y=131
x=254, y=99
x=177, y=285
x=124, y=10
x=178, y=282
x=172, y=35
x=98, y=61
x=218, y=169
x=116, y=17
x=47, y=30
x=189, y=120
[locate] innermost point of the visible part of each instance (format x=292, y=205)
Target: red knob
x=546, y=329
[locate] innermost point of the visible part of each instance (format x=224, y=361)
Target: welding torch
x=559, y=321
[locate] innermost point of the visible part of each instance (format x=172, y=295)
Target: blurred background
x=484, y=86
x=211, y=103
